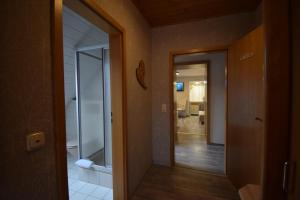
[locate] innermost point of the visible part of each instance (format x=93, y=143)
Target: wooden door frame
x=117, y=36
x=172, y=54
x=276, y=18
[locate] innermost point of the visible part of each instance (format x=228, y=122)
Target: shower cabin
x=93, y=92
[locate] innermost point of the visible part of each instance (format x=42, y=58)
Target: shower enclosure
x=93, y=106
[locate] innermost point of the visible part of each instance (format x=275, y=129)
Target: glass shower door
x=91, y=107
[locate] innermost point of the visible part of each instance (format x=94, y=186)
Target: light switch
x=35, y=141
x=164, y=108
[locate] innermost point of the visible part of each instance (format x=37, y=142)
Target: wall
x=201, y=34
x=26, y=101
x=69, y=42
x=182, y=97
x=138, y=46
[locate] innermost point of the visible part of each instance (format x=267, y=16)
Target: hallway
x=192, y=150
x=163, y=183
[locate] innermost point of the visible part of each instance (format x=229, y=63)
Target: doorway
x=199, y=119
x=87, y=108
x=91, y=155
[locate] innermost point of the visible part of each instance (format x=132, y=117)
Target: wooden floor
x=192, y=150
x=163, y=183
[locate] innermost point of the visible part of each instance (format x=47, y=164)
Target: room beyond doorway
x=199, y=120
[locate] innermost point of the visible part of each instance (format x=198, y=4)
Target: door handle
x=258, y=119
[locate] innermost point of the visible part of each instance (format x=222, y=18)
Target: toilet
x=72, y=147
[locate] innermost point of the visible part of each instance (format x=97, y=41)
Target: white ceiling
x=191, y=70
x=81, y=32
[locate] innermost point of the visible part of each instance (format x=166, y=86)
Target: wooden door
x=246, y=109
x=294, y=187
x=26, y=103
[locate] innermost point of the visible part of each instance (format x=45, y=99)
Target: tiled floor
x=192, y=150
x=79, y=190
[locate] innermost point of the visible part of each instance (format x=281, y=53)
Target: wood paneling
x=162, y=183
x=26, y=103
x=246, y=109
x=159, y=13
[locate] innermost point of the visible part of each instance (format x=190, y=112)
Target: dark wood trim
x=277, y=35
x=59, y=107
x=171, y=96
x=172, y=54
x=226, y=114
x=208, y=98
x=59, y=100
x=200, y=50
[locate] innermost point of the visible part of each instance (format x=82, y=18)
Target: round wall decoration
x=141, y=73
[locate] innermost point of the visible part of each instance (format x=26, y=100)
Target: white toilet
x=72, y=147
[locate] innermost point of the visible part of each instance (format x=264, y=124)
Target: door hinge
x=288, y=176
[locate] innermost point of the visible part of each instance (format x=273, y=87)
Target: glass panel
x=91, y=107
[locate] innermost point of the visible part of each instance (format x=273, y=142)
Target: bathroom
x=87, y=108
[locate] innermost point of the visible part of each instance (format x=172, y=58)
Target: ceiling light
x=177, y=73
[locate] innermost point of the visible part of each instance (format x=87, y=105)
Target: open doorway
x=199, y=96
x=87, y=107
x=92, y=152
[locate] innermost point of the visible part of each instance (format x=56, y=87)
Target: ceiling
x=166, y=12
x=191, y=70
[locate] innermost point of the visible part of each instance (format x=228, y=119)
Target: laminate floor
x=192, y=150
x=163, y=183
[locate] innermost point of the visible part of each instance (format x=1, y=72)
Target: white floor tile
x=88, y=188
x=100, y=192
x=78, y=196
x=71, y=192
x=71, y=181
x=77, y=185
x=92, y=198
x=109, y=195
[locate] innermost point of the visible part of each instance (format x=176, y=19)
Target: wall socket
x=163, y=108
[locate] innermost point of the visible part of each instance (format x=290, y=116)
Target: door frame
x=172, y=54
x=276, y=16
x=117, y=37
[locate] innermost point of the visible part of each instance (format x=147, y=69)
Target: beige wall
x=182, y=97
x=201, y=34
x=138, y=46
